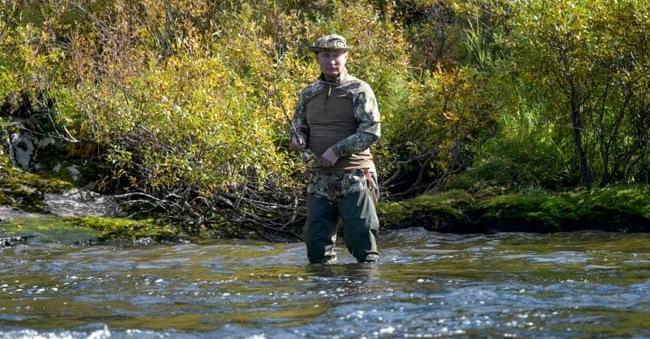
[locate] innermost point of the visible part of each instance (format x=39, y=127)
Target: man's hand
x=329, y=158
x=297, y=144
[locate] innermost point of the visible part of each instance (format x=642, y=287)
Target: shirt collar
x=343, y=77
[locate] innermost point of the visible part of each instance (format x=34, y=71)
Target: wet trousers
x=356, y=211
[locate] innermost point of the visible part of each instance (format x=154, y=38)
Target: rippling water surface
x=426, y=285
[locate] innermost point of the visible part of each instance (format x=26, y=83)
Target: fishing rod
x=305, y=154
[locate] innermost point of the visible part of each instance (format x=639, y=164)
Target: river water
x=427, y=285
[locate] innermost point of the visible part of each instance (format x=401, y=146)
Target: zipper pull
x=329, y=93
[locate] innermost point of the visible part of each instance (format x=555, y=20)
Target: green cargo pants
x=357, y=212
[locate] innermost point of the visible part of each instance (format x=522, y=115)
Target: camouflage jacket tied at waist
x=333, y=185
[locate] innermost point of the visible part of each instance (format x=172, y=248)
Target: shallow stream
x=427, y=285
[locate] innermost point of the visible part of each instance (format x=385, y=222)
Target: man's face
x=332, y=63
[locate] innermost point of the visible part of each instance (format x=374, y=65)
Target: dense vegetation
x=185, y=103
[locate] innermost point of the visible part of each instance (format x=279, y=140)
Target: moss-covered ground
x=87, y=230
x=625, y=209
x=128, y=229
x=25, y=190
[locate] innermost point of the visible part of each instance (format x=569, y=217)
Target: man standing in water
x=337, y=119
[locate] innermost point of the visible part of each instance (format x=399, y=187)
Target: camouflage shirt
x=364, y=108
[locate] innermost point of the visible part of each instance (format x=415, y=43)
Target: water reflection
x=343, y=282
x=357, y=273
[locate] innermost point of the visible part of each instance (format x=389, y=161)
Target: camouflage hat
x=330, y=42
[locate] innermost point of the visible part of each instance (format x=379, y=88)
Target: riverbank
x=34, y=203
x=30, y=199
x=618, y=209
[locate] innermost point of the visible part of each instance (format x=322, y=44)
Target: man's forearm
x=354, y=143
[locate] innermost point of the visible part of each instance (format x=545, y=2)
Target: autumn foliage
x=188, y=101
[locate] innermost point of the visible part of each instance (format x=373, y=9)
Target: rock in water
x=13, y=241
x=81, y=203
